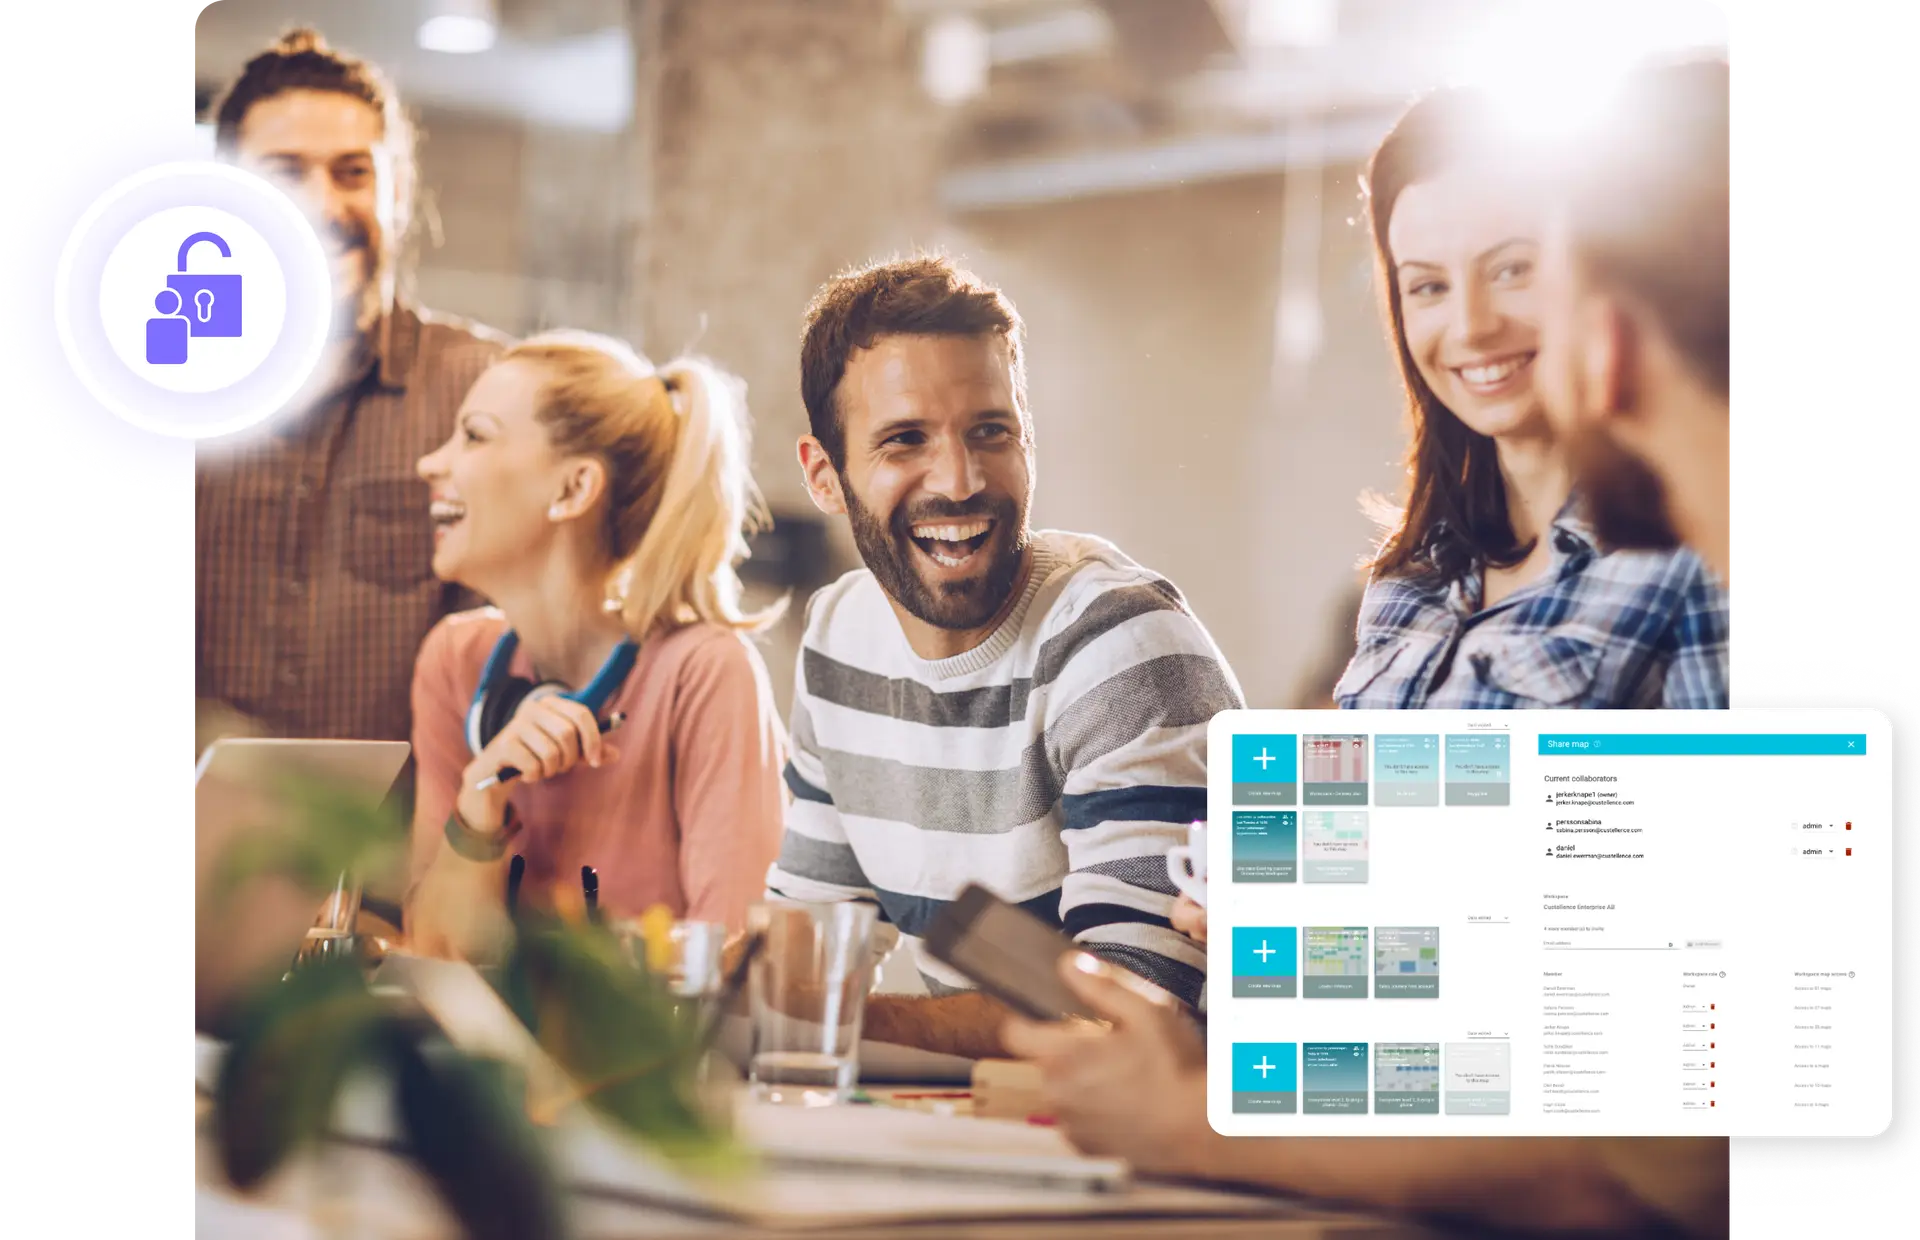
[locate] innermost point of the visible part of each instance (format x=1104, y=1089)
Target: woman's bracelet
x=477, y=846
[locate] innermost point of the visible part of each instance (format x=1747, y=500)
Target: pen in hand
x=516, y=871
x=506, y=773
x=590, y=887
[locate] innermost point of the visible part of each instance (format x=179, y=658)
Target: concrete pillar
x=778, y=142
x=773, y=143
x=573, y=203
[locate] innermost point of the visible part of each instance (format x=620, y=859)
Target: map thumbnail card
x=1336, y=962
x=1266, y=1078
x=1406, y=770
x=1406, y=1078
x=1335, y=770
x=1479, y=769
x=1266, y=770
x=1479, y=1078
x=1333, y=1078
x=1266, y=962
x=1333, y=845
x=1266, y=846
x=1406, y=962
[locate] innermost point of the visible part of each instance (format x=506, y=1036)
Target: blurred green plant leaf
x=293, y=1046
x=620, y=1035
x=468, y=1128
x=326, y=831
x=616, y=1029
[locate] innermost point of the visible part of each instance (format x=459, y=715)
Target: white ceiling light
x=955, y=58
x=1292, y=23
x=459, y=26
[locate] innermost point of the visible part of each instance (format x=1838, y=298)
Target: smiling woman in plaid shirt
x=1490, y=589
x=1475, y=602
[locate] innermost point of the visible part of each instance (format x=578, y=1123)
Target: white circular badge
x=194, y=299
x=214, y=312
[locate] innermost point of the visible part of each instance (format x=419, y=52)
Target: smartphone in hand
x=1007, y=952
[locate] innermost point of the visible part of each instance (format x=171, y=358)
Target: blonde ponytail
x=684, y=566
x=681, y=496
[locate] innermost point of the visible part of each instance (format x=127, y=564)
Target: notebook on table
x=820, y=1168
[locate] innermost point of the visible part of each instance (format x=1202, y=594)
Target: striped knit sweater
x=1055, y=763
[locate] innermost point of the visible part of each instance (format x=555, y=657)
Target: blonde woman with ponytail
x=601, y=503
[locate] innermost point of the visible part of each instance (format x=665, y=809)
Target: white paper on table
x=890, y=1187
x=594, y=1157
x=865, y=1164
x=1003, y=1152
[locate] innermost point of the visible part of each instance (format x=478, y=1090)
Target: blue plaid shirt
x=1626, y=629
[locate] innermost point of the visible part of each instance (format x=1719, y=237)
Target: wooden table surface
x=362, y=1191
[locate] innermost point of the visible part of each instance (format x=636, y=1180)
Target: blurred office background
x=1168, y=189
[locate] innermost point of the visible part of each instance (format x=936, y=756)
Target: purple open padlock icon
x=209, y=302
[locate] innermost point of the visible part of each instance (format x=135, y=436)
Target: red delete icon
x=1712, y=1006
x=1849, y=826
x=1711, y=1102
x=1849, y=852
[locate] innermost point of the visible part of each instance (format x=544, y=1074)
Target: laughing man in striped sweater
x=984, y=702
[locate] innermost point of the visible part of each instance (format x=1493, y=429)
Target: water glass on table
x=693, y=965
x=332, y=936
x=686, y=954
x=808, y=995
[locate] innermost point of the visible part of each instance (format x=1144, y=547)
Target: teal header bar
x=1703, y=744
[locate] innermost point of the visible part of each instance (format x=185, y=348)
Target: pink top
x=689, y=816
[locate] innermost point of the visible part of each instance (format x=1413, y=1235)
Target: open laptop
x=238, y=790
x=358, y=766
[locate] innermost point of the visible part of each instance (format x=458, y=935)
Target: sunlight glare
x=1552, y=65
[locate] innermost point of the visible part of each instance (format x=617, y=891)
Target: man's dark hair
x=926, y=295
x=301, y=59
x=1648, y=211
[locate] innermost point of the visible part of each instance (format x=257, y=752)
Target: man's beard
x=358, y=311
x=1625, y=499
x=889, y=553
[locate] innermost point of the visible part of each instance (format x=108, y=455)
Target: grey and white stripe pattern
x=1056, y=763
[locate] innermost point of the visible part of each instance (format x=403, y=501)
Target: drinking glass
x=332, y=937
x=687, y=954
x=808, y=994
x=693, y=968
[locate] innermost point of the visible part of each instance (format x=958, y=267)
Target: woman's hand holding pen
x=547, y=737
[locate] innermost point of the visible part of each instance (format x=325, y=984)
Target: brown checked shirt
x=313, y=574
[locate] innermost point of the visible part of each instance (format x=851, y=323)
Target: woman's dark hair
x=1455, y=514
